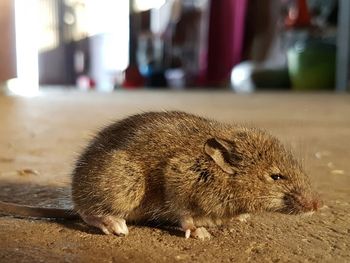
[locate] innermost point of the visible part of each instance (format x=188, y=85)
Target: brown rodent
x=183, y=169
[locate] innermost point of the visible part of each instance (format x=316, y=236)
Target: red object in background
x=133, y=77
x=226, y=35
x=84, y=82
x=298, y=16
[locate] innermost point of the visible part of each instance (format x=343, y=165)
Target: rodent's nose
x=312, y=205
x=303, y=202
x=316, y=204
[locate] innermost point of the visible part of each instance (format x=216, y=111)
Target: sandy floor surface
x=40, y=137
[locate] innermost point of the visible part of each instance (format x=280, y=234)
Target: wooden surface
x=42, y=135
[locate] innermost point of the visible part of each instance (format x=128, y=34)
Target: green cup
x=311, y=65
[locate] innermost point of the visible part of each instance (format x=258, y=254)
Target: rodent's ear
x=218, y=150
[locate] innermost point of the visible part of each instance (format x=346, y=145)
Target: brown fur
x=166, y=165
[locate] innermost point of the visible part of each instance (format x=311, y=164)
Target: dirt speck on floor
x=44, y=134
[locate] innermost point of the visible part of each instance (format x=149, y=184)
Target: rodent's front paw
x=242, y=217
x=193, y=231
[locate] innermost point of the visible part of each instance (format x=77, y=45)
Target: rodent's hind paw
x=108, y=224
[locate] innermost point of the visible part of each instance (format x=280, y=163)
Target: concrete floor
x=40, y=138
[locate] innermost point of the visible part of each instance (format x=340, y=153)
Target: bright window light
x=26, y=19
x=143, y=5
x=111, y=18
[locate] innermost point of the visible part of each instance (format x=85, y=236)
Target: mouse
x=181, y=169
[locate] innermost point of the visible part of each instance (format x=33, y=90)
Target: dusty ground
x=45, y=133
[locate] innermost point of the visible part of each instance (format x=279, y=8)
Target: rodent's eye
x=276, y=177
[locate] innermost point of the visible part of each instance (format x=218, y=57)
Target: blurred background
x=243, y=45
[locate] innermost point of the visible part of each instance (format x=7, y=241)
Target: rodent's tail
x=24, y=211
